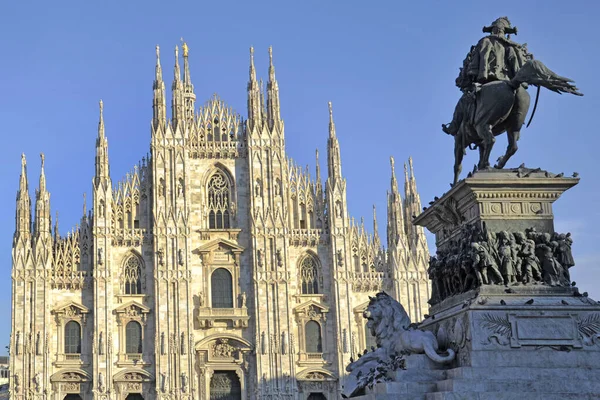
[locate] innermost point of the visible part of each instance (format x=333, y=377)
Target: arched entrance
x=73, y=397
x=225, y=385
x=135, y=396
x=317, y=396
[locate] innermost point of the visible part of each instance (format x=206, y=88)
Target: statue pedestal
x=533, y=336
x=505, y=200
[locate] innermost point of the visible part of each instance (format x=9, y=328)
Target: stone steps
x=519, y=385
x=506, y=396
x=522, y=373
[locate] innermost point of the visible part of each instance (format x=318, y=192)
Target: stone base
x=507, y=348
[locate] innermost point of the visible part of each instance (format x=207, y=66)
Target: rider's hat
x=508, y=29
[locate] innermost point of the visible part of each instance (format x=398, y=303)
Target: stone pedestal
x=504, y=200
x=529, y=339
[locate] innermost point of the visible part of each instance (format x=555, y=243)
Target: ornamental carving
x=478, y=257
x=222, y=349
x=70, y=387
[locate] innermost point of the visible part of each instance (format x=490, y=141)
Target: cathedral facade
x=216, y=269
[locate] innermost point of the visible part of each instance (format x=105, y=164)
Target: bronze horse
x=502, y=106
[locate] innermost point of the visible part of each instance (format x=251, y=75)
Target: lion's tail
x=430, y=350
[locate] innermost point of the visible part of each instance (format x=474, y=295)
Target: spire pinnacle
x=271, y=66
x=42, y=207
x=23, y=215
x=84, y=206
x=273, y=107
x=318, y=167
x=158, y=66
x=42, y=174
x=405, y=174
x=23, y=186
x=101, y=120
x=412, y=172
x=177, y=72
x=334, y=161
x=331, y=123
x=375, y=228
x=252, y=69
x=101, y=147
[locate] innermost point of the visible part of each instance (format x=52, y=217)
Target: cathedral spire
x=273, y=108
x=412, y=206
x=42, y=206
x=376, y=239
x=102, y=168
x=56, y=234
x=263, y=107
x=23, y=216
x=334, y=161
x=177, y=110
x=254, y=96
x=176, y=70
x=159, y=105
x=395, y=226
x=318, y=167
x=188, y=87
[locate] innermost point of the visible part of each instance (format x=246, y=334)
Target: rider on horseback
x=495, y=57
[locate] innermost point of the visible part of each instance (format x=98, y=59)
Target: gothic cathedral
x=216, y=269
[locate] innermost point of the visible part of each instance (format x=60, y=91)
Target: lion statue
x=394, y=333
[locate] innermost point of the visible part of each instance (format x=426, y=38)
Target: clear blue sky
x=387, y=66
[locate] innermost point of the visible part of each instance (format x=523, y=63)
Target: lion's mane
x=389, y=317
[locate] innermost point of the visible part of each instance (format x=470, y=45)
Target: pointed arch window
x=309, y=276
x=133, y=338
x=221, y=289
x=72, y=338
x=219, y=195
x=312, y=333
x=132, y=275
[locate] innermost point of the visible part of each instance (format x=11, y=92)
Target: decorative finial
x=252, y=53
x=392, y=162
x=405, y=172
x=410, y=163
x=330, y=110
x=43, y=158
x=84, y=205
x=157, y=52
x=176, y=52
x=23, y=160
x=270, y=55
x=101, y=107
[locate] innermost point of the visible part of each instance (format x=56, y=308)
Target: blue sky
x=387, y=66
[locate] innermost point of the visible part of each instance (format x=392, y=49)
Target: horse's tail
x=429, y=347
x=534, y=72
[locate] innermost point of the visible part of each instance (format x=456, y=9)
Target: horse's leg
x=484, y=131
x=459, y=152
x=511, y=149
x=514, y=124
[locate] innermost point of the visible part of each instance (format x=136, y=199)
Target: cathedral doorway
x=316, y=396
x=73, y=397
x=135, y=396
x=225, y=385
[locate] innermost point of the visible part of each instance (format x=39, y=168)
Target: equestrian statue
x=494, y=80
